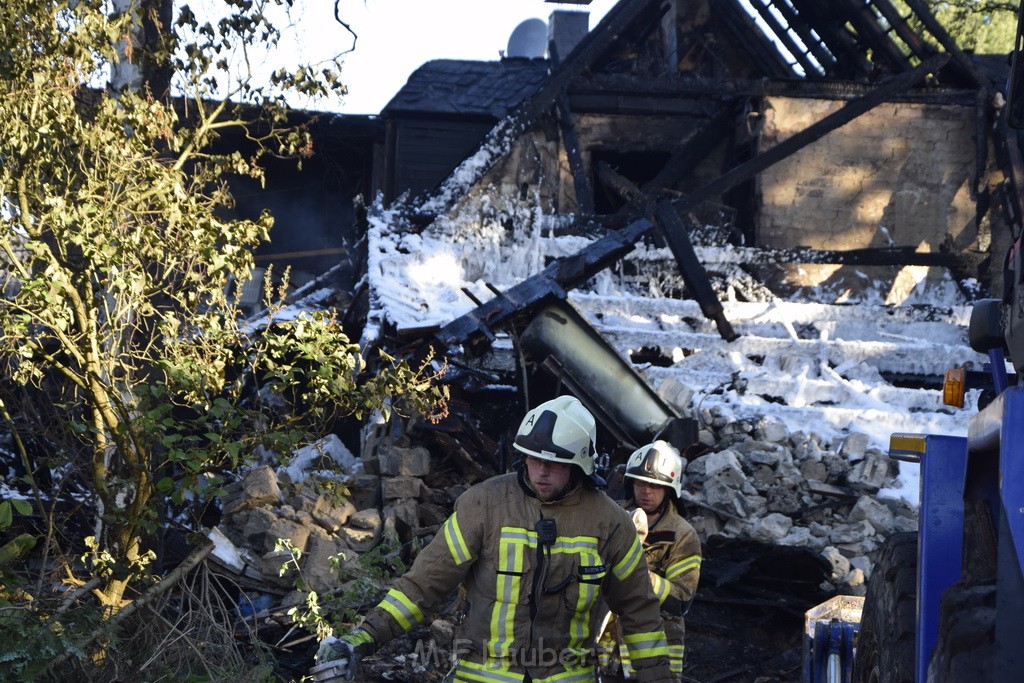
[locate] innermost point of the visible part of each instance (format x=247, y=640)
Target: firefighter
x=537, y=551
x=671, y=547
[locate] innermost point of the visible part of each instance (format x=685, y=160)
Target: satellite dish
x=529, y=39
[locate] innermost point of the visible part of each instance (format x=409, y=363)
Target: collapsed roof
x=635, y=167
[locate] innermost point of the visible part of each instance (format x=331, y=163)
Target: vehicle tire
x=965, y=649
x=885, y=642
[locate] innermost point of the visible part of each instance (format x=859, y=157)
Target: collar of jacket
x=571, y=496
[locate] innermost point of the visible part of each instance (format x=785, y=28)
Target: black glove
x=343, y=654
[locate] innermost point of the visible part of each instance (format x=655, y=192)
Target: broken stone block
x=393, y=488
x=870, y=474
x=851, y=533
x=863, y=563
x=364, y=491
x=273, y=563
x=253, y=533
x=723, y=497
x=808, y=449
x=763, y=475
x=813, y=469
x=305, y=498
x=284, y=528
x=783, y=500
x=405, y=462
x=675, y=393
x=365, y=519
x=361, y=540
x=904, y=524
x=432, y=514
x=880, y=517
x=760, y=456
x=258, y=488
x=771, y=528
x=854, y=446
x=840, y=565
x=364, y=530
x=316, y=565
x=773, y=431
x=800, y=536
x=332, y=516
x=401, y=517
x=716, y=462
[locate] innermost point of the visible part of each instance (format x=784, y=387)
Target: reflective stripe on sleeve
x=676, y=652
x=405, y=612
x=471, y=672
x=683, y=566
x=651, y=644
x=584, y=675
x=456, y=544
x=660, y=586
x=627, y=564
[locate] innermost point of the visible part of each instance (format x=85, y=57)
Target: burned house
x=716, y=222
x=706, y=159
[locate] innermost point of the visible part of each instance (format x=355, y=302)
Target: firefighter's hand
x=342, y=655
x=640, y=522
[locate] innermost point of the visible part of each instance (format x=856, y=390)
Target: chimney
x=566, y=28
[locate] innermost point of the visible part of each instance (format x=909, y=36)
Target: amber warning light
x=953, y=387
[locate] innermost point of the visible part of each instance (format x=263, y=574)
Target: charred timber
x=711, y=92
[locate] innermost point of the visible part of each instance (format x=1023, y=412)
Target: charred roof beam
x=782, y=33
x=872, y=35
x=807, y=34
x=568, y=273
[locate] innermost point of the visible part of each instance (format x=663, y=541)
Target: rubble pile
x=815, y=502
x=758, y=481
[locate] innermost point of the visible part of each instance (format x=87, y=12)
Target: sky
x=395, y=37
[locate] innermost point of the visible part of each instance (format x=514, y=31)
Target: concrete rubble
x=745, y=480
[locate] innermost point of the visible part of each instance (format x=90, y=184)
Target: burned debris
x=640, y=225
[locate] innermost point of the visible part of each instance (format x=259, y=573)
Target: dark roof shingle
x=454, y=86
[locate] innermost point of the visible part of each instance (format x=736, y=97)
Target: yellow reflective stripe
x=682, y=566
x=456, y=544
x=676, y=652
x=628, y=563
x=572, y=544
x=398, y=605
x=511, y=546
x=579, y=623
x=652, y=644
x=584, y=675
x=660, y=586
x=471, y=671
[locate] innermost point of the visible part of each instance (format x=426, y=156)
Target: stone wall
x=904, y=167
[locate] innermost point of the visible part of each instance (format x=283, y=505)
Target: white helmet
x=559, y=430
x=657, y=463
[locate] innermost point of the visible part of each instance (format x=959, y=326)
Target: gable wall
x=903, y=167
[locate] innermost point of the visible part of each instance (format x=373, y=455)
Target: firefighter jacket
x=673, y=553
x=533, y=572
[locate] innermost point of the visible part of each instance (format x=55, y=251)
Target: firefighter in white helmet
x=672, y=548
x=536, y=550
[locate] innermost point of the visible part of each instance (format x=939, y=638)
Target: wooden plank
x=694, y=275
x=926, y=17
x=571, y=143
